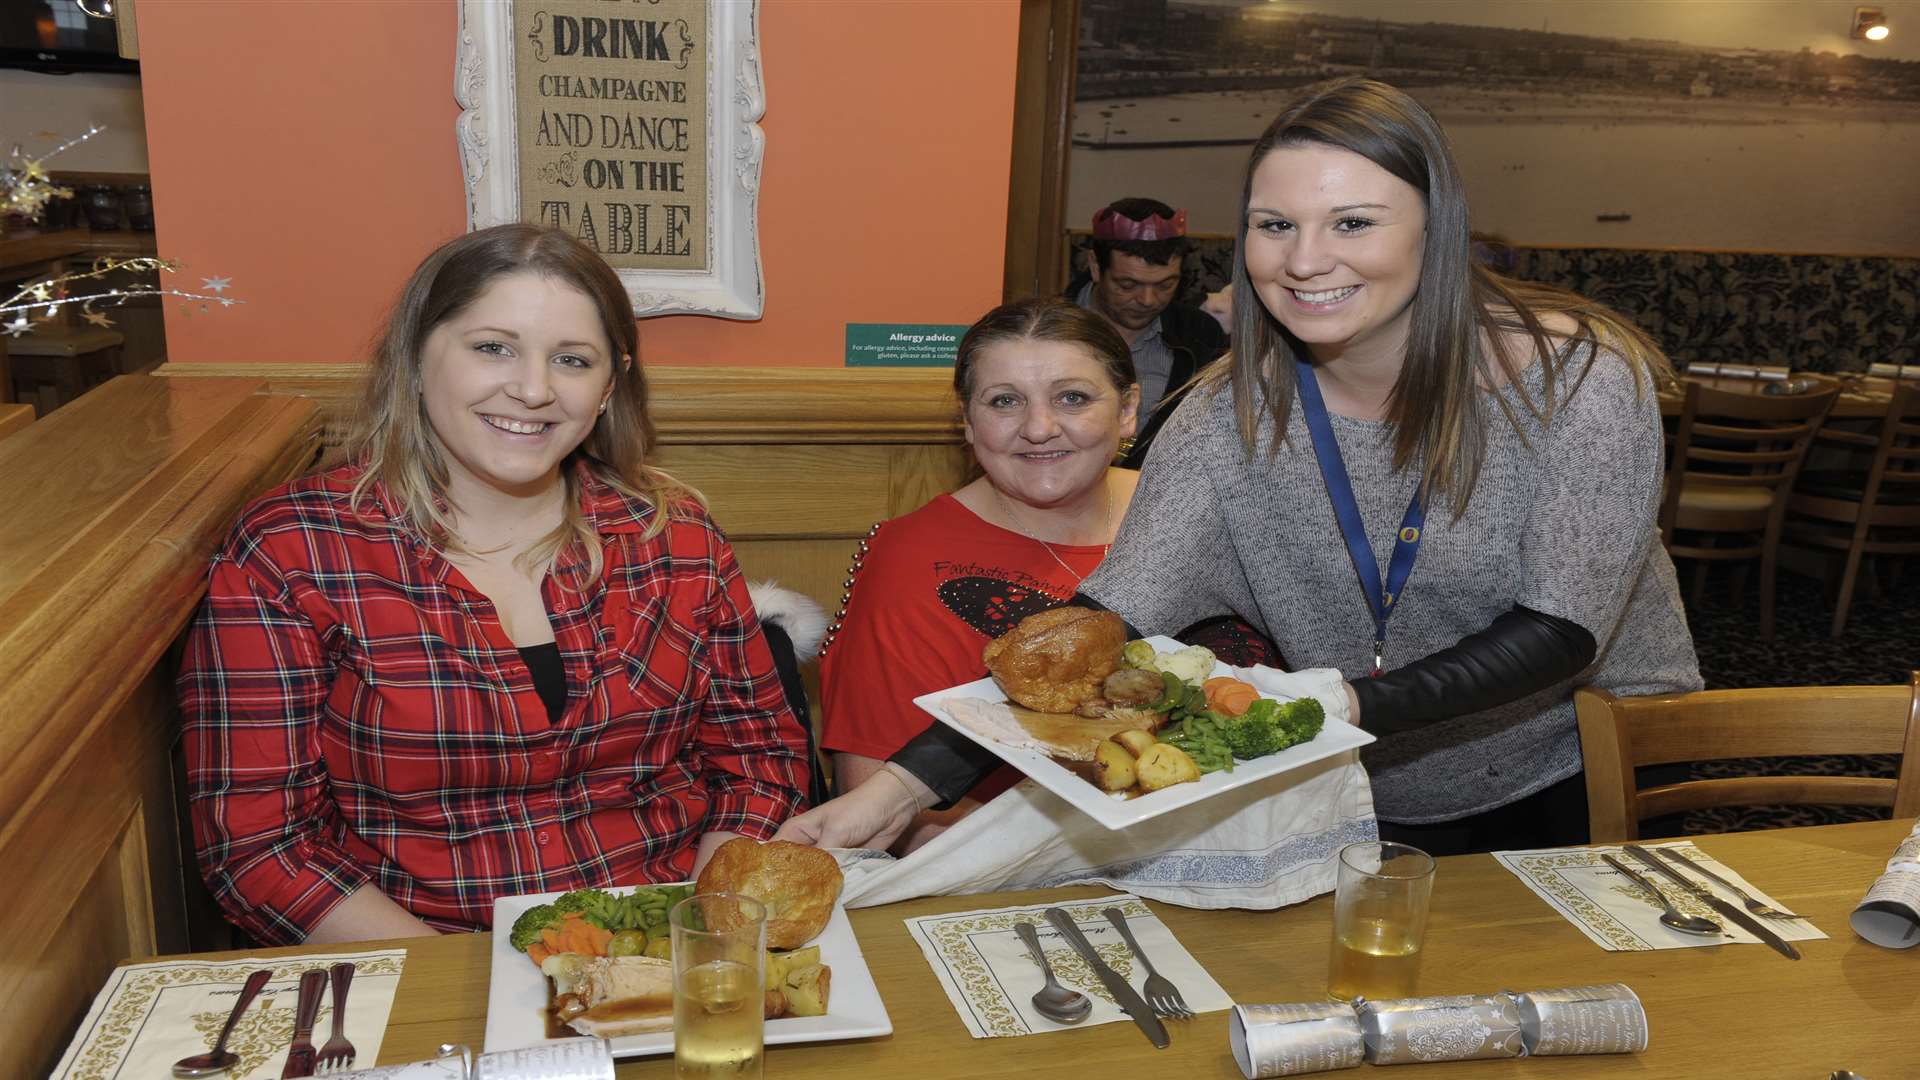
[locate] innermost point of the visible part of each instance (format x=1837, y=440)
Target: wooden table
x=1726, y=1011
x=1868, y=399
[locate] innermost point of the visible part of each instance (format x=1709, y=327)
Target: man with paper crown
x=1132, y=278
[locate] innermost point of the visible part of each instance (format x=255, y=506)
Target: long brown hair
x=392, y=438
x=1438, y=413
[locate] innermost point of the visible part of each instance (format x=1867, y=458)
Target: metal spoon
x=1686, y=924
x=1053, y=1001
x=220, y=1059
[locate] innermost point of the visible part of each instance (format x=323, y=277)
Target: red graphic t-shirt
x=935, y=587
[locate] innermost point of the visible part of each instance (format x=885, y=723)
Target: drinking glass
x=1379, y=920
x=719, y=996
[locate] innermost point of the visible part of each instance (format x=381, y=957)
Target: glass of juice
x=1379, y=920
x=719, y=996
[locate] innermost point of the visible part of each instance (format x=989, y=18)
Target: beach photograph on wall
x=1698, y=124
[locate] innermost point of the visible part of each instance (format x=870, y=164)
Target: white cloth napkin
x=1618, y=915
x=990, y=976
x=1266, y=845
x=149, y=1016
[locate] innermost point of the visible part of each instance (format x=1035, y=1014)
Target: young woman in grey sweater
x=1440, y=482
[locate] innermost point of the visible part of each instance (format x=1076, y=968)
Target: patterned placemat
x=1618, y=915
x=149, y=1016
x=990, y=976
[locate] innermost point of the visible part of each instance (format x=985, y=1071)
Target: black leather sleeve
x=946, y=761
x=1521, y=652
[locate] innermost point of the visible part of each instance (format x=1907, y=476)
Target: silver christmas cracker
x=1465, y=1027
x=1288, y=1040
x=1605, y=1019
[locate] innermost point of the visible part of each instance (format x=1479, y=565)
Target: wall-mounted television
x=59, y=36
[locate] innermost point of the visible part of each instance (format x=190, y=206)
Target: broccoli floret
x=1268, y=727
x=581, y=900
x=1256, y=732
x=527, y=928
x=1303, y=718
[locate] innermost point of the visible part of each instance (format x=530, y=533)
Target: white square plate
x=517, y=993
x=1118, y=813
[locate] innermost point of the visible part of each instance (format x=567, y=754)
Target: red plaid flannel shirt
x=355, y=714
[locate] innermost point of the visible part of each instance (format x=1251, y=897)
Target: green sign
x=902, y=344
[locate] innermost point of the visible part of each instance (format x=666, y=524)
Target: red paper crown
x=1110, y=224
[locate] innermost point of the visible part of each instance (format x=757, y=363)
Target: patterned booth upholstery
x=1827, y=313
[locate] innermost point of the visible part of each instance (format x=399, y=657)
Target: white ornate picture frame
x=731, y=284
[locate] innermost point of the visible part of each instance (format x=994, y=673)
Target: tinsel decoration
x=40, y=301
x=25, y=190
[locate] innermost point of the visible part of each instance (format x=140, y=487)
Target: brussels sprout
x=1137, y=654
x=627, y=943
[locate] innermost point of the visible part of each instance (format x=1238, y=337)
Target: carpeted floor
x=1881, y=645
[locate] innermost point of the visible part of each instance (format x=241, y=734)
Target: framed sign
x=632, y=125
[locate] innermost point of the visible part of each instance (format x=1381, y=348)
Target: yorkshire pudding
x=797, y=884
x=1053, y=661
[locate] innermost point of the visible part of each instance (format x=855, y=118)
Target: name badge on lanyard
x=1406, y=547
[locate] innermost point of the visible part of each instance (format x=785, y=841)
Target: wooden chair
x=1734, y=457
x=1875, y=513
x=1619, y=734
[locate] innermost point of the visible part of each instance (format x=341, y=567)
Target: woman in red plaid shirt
x=496, y=652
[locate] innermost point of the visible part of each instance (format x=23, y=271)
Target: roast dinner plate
x=517, y=993
x=1117, y=812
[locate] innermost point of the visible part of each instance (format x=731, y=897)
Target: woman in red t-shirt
x=1048, y=392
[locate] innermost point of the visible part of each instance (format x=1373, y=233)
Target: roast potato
x=1112, y=766
x=1164, y=766
x=1136, y=742
x=779, y=963
x=807, y=989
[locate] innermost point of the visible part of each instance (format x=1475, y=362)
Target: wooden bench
x=55, y=364
x=14, y=418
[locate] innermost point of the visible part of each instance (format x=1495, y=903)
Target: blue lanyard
x=1340, y=490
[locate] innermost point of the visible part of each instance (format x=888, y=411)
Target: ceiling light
x=1870, y=24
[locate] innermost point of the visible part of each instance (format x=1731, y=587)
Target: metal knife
x=1128, y=998
x=300, y=1054
x=1733, y=913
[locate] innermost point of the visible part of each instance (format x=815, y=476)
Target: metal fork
x=1746, y=899
x=337, y=1054
x=1161, y=994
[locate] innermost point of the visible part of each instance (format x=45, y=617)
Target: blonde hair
x=1438, y=413
x=394, y=442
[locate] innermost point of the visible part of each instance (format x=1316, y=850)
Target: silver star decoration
x=216, y=284
x=18, y=326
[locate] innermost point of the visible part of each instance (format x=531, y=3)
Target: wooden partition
x=796, y=464
x=109, y=509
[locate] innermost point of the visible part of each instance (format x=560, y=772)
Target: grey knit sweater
x=1562, y=521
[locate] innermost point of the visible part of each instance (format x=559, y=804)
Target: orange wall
x=306, y=149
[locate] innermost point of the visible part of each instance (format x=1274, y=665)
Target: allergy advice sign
x=903, y=344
